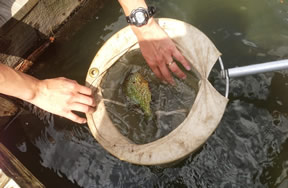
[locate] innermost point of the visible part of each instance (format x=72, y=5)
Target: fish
x=137, y=90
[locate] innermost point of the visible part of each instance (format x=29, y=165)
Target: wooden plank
x=8, y=112
x=4, y=179
x=16, y=12
x=8, y=8
x=11, y=8
x=25, y=9
x=7, y=107
x=6, y=182
x=31, y=26
x=12, y=184
x=14, y=169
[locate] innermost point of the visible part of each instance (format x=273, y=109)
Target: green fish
x=137, y=89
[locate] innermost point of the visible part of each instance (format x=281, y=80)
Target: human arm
x=156, y=46
x=59, y=95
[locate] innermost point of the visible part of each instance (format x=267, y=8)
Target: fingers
x=62, y=96
x=73, y=85
x=84, y=99
x=156, y=70
x=81, y=101
x=75, y=118
x=174, y=67
x=166, y=73
x=163, y=73
x=181, y=59
x=176, y=70
x=84, y=90
x=163, y=65
x=81, y=108
x=81, y=94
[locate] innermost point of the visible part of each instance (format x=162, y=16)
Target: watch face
x=140, y=17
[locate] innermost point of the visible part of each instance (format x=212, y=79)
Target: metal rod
x=224, y=75
x=227, y=86
x=258, y=68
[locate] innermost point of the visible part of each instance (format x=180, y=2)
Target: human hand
x=160, y=51
x=61, y=96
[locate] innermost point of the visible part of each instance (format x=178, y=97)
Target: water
x=248, y=149
x=169, y=105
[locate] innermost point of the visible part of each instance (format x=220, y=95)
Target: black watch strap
x=150, y=11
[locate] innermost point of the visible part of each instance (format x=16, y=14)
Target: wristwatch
x=140, y=16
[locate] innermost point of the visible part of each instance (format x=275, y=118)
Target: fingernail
x=164, y=82
x=188, y=68
x=172, y=82
x=92, y=110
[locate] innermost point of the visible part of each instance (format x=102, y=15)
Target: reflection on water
x=249, y=147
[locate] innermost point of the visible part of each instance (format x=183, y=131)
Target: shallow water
x=248, y=149
x=169, y=104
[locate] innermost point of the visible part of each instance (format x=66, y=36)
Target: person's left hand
x=62, y=96
x=159, y=51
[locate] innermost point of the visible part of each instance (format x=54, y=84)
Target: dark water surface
x=248, y=149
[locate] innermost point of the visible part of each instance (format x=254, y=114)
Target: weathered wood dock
x=27, y=27
x=13, y=173
x=6, y=182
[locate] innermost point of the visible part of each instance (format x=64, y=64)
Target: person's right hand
x=159, y=51
x=61, y=96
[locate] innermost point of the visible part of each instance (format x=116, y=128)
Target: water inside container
x=169, y=105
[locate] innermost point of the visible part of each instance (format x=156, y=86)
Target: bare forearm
x=129, y=5
x=157, y=48
x=58, y=95
x=17, y=84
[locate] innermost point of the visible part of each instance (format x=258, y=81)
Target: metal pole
x=224, y=75
x=258, y=68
